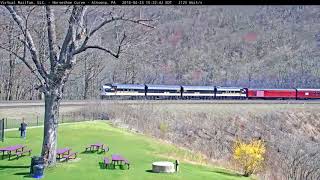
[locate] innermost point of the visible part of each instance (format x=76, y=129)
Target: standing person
x=23, y=129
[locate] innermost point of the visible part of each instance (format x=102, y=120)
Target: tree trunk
x=11, y=78
x=49, y=146
x=11, y=64
x=86, y=83
x=86, y=87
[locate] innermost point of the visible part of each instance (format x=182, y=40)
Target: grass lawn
x=140, y=150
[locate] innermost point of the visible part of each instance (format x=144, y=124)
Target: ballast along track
x=65, y=103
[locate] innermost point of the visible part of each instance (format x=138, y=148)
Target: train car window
x=161, y=91
x=206, y=92
x=199, y=91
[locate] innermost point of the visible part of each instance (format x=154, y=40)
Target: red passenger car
x=272, y=93
x=308, y=93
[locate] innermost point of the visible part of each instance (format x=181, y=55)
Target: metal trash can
x=36, y=160
x=38, y=171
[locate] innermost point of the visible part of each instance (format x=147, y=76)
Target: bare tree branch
x=115, y=54
x=33, y=71
x=52, y=38
x=138, y=21
x=31, y=46
x=75, y=17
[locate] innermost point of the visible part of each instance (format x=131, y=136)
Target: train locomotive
x=162, y=92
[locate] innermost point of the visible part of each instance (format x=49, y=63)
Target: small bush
x=250, y=156
x=164, y=127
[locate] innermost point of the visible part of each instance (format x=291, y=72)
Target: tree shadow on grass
x=101, y=152
x=24, y=174
x=88, y=152
x=13, y=167
x=92, y=152
x=234, y=174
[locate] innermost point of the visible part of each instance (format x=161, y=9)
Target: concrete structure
x=163, y=167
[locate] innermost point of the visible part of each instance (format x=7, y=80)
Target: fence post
x=2, y=129
x=37, y=120
x=61, y=118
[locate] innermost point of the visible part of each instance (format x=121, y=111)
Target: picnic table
x=62, y=152
x=97, y=146
x=119, y=160
x=16, y=148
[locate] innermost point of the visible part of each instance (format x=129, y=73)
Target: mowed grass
x=140, y=150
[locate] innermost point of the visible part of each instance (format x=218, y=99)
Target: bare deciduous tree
x=62, y=59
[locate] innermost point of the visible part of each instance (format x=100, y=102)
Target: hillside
x=250, y=46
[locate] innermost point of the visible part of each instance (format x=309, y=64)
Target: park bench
x=126, y=162
x=105, y=149
x=71, y=155
x=106, y=162
x=20, y=153
x=88, y=148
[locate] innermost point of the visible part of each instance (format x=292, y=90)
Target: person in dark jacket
x=23, y=129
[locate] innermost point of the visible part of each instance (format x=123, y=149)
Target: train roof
x=159, y=87
x=309, y=89
x=198, y=88
x=228, y=88
x=261, y=89
x=129, y=86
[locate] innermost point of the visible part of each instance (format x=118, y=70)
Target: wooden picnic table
x=62, y=152
x=9, y=149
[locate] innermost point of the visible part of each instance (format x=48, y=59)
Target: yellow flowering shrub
x=250, y=156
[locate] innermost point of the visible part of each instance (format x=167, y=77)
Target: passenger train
x=151, y=91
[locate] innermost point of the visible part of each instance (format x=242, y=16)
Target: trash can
x=38, y=171
x=36, y=160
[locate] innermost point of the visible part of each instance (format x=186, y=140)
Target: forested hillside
x=249, y=46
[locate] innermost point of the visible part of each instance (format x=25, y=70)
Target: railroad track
x=19, y=104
